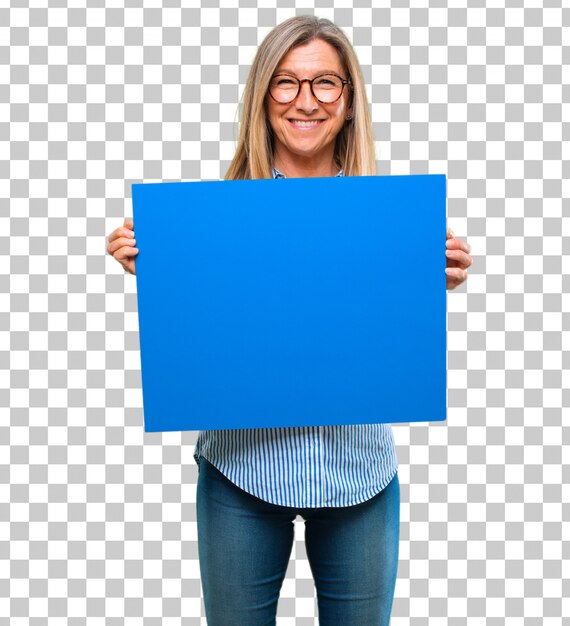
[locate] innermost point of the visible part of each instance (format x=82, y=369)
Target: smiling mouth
x=305, y=124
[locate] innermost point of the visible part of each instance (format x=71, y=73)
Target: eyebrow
x=325, y=71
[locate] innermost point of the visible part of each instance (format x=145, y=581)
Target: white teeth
x=303, y=123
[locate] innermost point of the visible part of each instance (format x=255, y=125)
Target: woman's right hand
x=121, y=245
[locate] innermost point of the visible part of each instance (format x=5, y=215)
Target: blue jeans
x=244, y=546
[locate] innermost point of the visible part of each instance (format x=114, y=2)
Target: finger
x=450, y=234
x=460, y=257
x=120, y=232
x=114, y=245
x=458, y=244
x=125, y=253
x=456, y=274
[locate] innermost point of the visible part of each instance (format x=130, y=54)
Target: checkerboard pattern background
x=97, y=518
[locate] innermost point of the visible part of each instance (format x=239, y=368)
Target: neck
x=300, y=167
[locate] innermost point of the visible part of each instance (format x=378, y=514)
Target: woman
x=305, y=114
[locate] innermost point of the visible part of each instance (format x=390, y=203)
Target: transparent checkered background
x=97, y=518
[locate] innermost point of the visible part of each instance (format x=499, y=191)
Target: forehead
x=311, y=57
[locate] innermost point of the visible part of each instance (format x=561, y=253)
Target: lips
x=305, y=124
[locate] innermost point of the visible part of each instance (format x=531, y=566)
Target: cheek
x=275, y=125
x=275, y=119
x=339, y=114
x=271, y=115
x=339, y=117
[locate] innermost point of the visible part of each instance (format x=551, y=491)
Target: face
x=313, y=141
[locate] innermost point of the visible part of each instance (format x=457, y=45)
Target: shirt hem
x=354, y=502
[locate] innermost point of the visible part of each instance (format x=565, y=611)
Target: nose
x=305, y=100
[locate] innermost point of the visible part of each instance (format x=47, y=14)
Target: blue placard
x=292, y=302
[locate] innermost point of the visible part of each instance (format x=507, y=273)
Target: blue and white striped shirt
x=304, y=466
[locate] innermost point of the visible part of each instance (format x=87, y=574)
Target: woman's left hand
x=458, y=260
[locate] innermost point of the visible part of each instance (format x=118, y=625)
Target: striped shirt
x=304, y=466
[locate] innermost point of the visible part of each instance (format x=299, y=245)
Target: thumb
x=129, y=223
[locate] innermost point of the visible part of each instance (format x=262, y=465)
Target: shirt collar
x=278, y=174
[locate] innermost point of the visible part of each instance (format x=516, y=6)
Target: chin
x=304, y=153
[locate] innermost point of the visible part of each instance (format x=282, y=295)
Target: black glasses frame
x=310, y=81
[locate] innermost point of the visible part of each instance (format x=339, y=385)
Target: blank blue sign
x=292, y=302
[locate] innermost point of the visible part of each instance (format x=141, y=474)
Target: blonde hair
x=354, y=147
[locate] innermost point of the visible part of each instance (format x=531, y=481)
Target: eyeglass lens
x=326, y=88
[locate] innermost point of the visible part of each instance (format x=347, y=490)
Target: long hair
x=354, y=146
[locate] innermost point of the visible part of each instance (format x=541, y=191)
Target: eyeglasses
x=326, y=88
